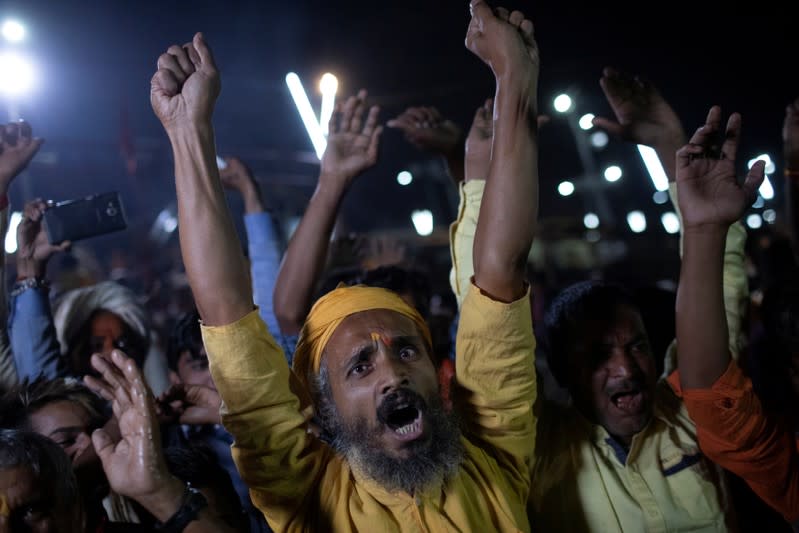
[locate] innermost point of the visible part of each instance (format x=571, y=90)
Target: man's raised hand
x=504, y=41
x=642, y=115
x=427, y=130
x=352, y=143
x=35, y=249
x=17, y=148
x=185, y=87
x=709, y=194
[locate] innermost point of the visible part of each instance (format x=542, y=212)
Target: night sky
x=95, y=59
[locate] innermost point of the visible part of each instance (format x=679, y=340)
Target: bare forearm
x=305, y=258
x=510, y=203
x=702, y=337
x=252, y=199
x=208, y=240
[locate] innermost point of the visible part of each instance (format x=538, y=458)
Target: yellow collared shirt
x=302, y=485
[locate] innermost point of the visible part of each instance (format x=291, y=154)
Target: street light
x=328, y=86
x=565, y=188
x=563, y=103
x=13, y=31
x=612, y=173
x=16, y=74
x=637, y=221
x=587, y=121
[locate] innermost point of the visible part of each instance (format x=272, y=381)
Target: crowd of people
x=296, y=397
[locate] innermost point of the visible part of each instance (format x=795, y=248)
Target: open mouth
x=404, y=419
x=629, y=401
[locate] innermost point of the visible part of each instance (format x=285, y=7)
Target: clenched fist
x=185, y=87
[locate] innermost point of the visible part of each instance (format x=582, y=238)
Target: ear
x=174, y=379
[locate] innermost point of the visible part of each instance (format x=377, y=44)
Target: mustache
x=398, y=399
x=626, y=385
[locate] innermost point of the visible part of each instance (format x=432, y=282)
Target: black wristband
x=190, y=506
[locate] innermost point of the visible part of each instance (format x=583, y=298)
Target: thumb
x=753, y=180
x=64, y=246
x=207, y=62
x=103, y=445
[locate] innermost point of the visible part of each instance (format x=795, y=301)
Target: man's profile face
x=612, y=373
x=382, y=378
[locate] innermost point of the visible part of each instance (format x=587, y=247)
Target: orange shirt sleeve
x=735, y=433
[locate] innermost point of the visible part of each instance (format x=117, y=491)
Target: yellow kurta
x=302, y=485
x=582, y=481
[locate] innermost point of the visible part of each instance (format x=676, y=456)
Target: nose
x=393, y=374
x=622, y=364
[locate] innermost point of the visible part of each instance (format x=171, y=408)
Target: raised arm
x=351, y=149
x=711, y=200
x=509, y=210
x=732, y=428
x=134, y=462
x=263, y=239
x=183, y=93
x=33, y=335
x=790, y=139
x=428, y=130
x=17, y=148
x=643, y=116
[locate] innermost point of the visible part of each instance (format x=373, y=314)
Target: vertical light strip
x=654, y=167
x=306, y=113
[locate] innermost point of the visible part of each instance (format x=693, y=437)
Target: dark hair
x=135, y=346
x=196, y=464
x=48, y=463
x=185, y=336
x=18, y=404
x=401, y=281
x=570, y=310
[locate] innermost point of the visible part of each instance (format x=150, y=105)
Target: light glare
x=587, y=121
x=654, y=168
x=13, y=31
x=754, y=221
x=404, y=178
x=637, y=221
x=16, y=74
x=671, y=222
x=563, y=103
x=591, y=221
x=613, y=173
x=565, y=188
x=312, y=126
x=328, y=86
x=11, y=234
x=422, y=222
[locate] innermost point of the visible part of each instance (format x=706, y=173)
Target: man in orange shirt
x=731, y=426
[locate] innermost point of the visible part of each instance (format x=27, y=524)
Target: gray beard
x=433, y=460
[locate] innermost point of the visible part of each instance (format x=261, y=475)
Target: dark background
x=95, y=59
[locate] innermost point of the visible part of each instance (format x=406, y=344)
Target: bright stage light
x=16, y=74
x=637, y=221
x=587, y=121
x=328, y=86
x=11, y=234
x=591, y=221
x=653, y=166
x=563, y=103
x=13, y=31
x=612, y=173
x=565, y=188
x=404, y=178
x=671, y=222
x=422, y=222
x=307, y=115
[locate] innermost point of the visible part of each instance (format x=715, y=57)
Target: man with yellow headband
x=398, y=461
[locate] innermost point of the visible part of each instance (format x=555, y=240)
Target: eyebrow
x=70, y=429
x=361, y=353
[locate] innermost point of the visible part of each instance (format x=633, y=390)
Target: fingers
x=753, y=180
x=732, y=137
x=103, y=445
x=99, y=387
x=374, y=144
x=357, y=117
x=169, y=62
x=516, y=18
x=610, y=126
x=703, y=135
x=34, y=210
x=502, y=13
x=112, y=373
x=528, y=30
x=182, y=57
x=347, y=111
x=164, y=81
x=480, y=11
x=371, y=121
x=207, y=63
x=334, y=126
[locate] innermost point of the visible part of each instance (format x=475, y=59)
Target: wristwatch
x=191, y=504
